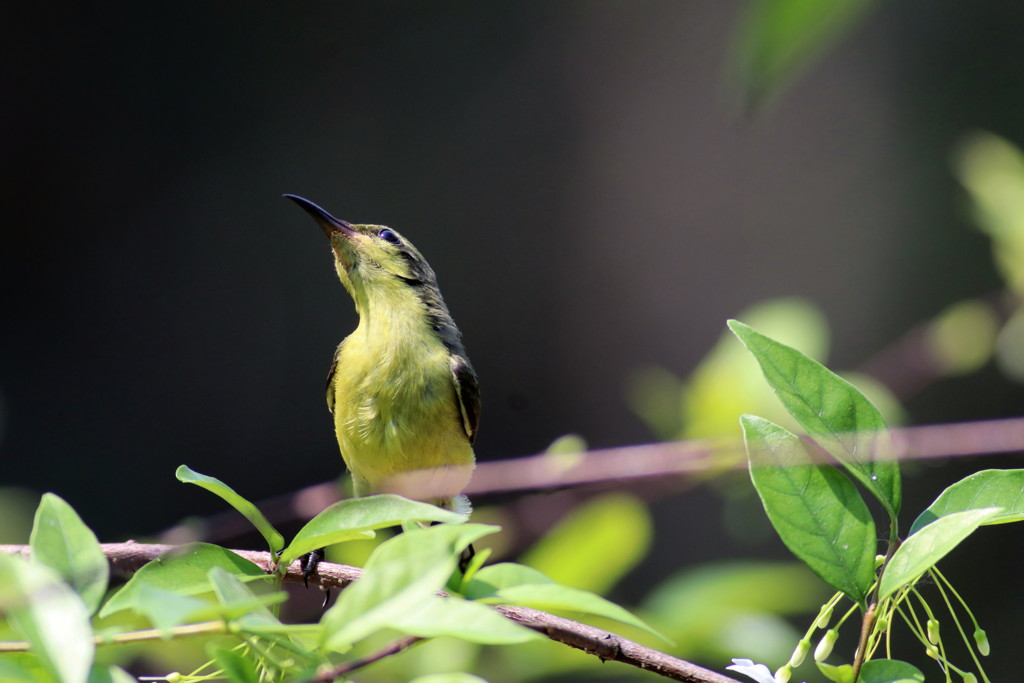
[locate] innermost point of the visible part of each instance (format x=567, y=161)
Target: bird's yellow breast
x=396, y=412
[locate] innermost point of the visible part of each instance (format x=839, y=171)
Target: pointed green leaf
x=110, y=674
x=452, y=677
x=274, y=540
x=815, y=509
x=240, y=603
x=434, y=617
x=166, y=609
x=400, y=574
x=890, y=671
x=920, y=552
x=838, y=674
x=508, y=583
x=237, y=667
x=355, y=518
x=50, y=616
x=183, y=570
x=846, y=424
x=725, y=384
x=988, y=488
x=61, y=541
x=496, y=577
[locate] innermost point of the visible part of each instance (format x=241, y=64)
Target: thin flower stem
x=888, y=632
x=942, y=577
x=829, y=605
x=846, y=615
x=959, y=627
x=134, y=636
x=911, y=620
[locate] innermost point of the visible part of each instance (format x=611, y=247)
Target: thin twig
x=127, y=558
x=348, y=667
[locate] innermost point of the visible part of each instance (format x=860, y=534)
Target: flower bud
x=882, y=624
x=933, y=631
x=783, y=674
x=932, y=652
x=824, y=648
x=981, y=639
x=824, y=617
x=797, y=658
x=970, y=678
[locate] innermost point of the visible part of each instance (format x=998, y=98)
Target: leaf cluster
x=808, y=486
x=58, y=601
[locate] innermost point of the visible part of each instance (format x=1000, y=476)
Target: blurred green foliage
x=992, y=171
x=728, y=382
x=777, y=39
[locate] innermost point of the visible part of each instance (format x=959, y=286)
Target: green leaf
x=890, y=671
x=833, y=411
x=777, y=38
x=50, y=616
x=61, y=541
x=182, y=570
x=110, y=674
x=921, y=551
x=274, y=540
x=452, y=677
x=815, y=509
x=166, y=609
x=508, y=583
x=496, y=577
x=434, y=617
x=240, y=603
x=616, y=521
x=400, y=574
x=735, y=586
x=355, y=518
x=838, y=674
x=236, y=667
x=988, y=488
x=992, y=170
x=11, y=670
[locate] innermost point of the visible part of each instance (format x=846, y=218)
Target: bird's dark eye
x=389, y=236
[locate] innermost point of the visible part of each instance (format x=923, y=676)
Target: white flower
x=759, y=672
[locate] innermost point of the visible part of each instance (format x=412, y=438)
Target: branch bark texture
x=127, y=558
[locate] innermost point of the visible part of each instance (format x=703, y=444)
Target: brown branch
x=127, y=558
x=610, y=647
x=348, y=667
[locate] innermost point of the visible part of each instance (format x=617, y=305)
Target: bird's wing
x=330, y=378
x=467, y=394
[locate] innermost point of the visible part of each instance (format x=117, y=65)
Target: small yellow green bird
x=403, y=393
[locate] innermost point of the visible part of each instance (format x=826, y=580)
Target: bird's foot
x=465, y=557
x=309, y=562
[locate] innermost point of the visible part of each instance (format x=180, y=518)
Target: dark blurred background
x=578, y=174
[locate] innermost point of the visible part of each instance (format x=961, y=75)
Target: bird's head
x=371, y=260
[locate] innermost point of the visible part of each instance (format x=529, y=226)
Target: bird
x=404, y=396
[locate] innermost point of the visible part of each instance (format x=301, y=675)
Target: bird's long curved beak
x=328, y=223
